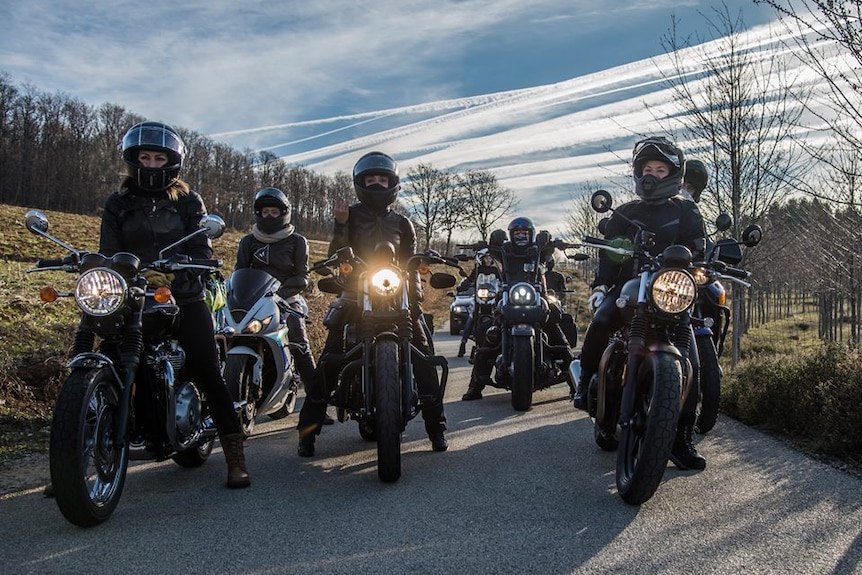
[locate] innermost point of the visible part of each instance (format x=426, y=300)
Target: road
x=516, y=493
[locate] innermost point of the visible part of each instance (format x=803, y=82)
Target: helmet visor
x=154, y=137
x=652, y=150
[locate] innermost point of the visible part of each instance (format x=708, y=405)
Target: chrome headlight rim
x=672, y=291
x=386, y=282
x=523, y=294
x=100, y=292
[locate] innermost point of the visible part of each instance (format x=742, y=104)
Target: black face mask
x=270, y=225
x=649, y=183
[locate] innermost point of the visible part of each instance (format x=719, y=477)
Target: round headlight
x=100, y=291
x=386, y=282
x=673, y=291
x=522, y=294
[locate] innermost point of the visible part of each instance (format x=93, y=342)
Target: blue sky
x=296, y=77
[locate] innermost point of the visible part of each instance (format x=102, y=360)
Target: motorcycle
x=711, y=315
x=132, y=398
x=259, y=369
x=526, y=361
x=644, y=373
x=483, y=301
x=376, y=386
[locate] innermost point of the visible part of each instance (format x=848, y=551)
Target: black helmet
x=697, y=176
x=271, y=197
x=158, y=137
x=522, y=231
x=649, y=188
x=376, y=197
x=549, y=265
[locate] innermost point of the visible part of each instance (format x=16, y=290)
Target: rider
x=657, y=167
x=153, y=209
x=483, y=272
x=695, y=181
x=362, y=226
x=521, y=256
x=556, y=281
x=275, y=247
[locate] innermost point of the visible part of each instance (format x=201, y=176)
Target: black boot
x=580, y=398
x=683, y=454
x=462, y=350
x=474, y=390
x=234, y=455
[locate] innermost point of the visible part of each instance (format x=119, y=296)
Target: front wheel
x=387, y=410
x=710, y=385
x=522, y=373
x=88, y=468
x=239, y=377
x=646, y=441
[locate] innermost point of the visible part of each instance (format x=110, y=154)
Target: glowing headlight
x=255, y=325
x=522, y=294
x=460, y=309
x=386, y=282
x=100, y=291
x=673, y=291
x=701, y=276
x=486, y=294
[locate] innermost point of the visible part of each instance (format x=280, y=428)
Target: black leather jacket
x=142, y=223
x=284, y=259
x=675, y=221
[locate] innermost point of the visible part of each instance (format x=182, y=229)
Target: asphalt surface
x=516, y=493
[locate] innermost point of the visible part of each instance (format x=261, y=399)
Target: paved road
x=516, y=493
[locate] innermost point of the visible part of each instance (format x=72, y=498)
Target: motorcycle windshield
x=248, y=285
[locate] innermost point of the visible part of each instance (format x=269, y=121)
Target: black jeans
x=196, y=336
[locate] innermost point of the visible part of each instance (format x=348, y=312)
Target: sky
x=534, y=91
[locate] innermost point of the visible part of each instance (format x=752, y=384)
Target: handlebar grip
x=736, y=272
x=592, y=240
x=207, y=262
x=49, y=263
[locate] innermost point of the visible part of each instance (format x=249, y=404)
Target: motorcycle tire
x=710, y=385
x=646, y=442
x=238, y=375
x=388, y=422
x=522, y=373
x=194, y=457
x=88, y=468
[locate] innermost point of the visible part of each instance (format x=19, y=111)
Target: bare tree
x=742, y=108
x=426, y=191
x=486, y=202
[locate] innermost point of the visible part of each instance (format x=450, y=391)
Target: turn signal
x=162, y=294
x=345, y=268
x=48, y=294
x=424, y=268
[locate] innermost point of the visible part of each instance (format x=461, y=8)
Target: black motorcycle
x=131, y=399
x=711, y=314
x=376, y=386
x=644, y=373
x=526, y=361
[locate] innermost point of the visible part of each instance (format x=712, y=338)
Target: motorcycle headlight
x=701, y=276
x=486, y=294
x=100, y=291
x=256, y=325
x=673, y=291
x=522, y=294
x=386, y=282
x=460, y=309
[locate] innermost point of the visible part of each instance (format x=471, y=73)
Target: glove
x=158, y=279
x=597, y=298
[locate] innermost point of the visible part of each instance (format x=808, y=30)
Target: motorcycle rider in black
x=152, y=210
x=485, y=268
x=657, y=167
x=521, y=255
x=275, y=247
x=362, y=226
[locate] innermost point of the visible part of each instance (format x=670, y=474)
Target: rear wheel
x=645, y=443
x=710, y=385
x=387, y=404
x=88, y=469
x=522, y=373
x=238, y=375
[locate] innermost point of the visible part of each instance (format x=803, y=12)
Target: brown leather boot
x=237, y=474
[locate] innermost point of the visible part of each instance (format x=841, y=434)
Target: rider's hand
x=158, y=279
x=597, y=298
x=341, y=211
